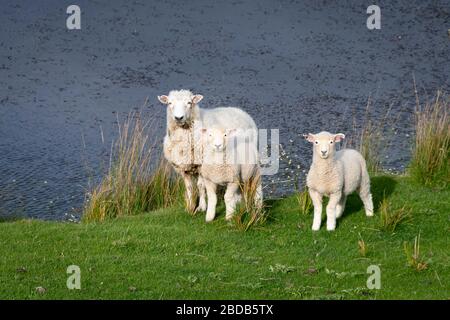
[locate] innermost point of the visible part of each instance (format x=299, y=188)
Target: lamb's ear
x=163, y=99
x=197, y=98
x=339, y=137
x=309, y=137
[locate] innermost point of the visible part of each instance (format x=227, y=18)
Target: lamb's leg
x=230, y=199
x=316, y=198
x=189, y=195
x=365, y=195
x=340, y=207
x=331, y=210
x=211, y=189
x=201, y=194
x=366, y=198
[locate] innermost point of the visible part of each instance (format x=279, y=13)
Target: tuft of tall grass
x=371, y=138
x=430, y=159
x=413, y=257
x=131, y=186
x=390, y=218
x=370, y=145
x=362, y=247
x=249, y=213
x=304, y=201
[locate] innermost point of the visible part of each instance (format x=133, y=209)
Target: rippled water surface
x=294, y=65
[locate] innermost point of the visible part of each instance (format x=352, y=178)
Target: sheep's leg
x=202, y=194
x=316, y=198
x=189, y=195
x=340, y=207
x=366, y=198
x=331, y=210
x=230, y=199
x=211, y=189
x=364, y=193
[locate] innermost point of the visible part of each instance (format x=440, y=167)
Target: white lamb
x=335, y=174
x=182, y=141
x=229, y=160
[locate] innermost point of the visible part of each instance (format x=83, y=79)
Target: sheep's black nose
x=324, y=152
x=179, y=118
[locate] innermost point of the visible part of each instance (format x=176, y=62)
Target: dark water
x=294, y=65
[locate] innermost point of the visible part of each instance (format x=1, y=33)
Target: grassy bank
x=167, y=254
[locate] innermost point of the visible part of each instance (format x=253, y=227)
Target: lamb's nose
x=218, y=146
x=323, y=152
x=179, y=118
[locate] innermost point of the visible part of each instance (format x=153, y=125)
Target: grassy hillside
x=168, y=254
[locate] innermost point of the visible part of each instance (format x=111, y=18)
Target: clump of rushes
x=430, y=160
x=131, y=186
x=166, y=188
x=390, y=218
x=304, y=201
x=413, y=257
x=371, y=144
x=248, y=213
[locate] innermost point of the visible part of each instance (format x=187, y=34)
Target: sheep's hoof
x=369, y=213
x=209, y=218
x=315, y=228
x=228, y=218
x=331, y=228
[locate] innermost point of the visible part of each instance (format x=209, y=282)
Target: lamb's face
x=217, y=139
x=180, y=105
x=324, y=143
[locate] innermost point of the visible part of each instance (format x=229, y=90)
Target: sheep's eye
x=331, y=142
x=189, y=103
x=317, y=142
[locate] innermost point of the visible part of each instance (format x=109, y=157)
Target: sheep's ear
x=309, y=137
x=163, y=99
x=197, y=98
x=339, y=136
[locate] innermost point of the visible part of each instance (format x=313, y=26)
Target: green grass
x=168, y=254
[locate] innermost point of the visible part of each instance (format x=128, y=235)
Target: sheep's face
x=180, y=105
x=324, y=143
x=217, y=139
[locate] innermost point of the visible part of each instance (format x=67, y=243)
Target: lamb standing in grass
x=336, y=175
x=182, y=140
x=230, y=165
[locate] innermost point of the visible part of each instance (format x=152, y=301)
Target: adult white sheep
x=182, y=141
x=229, y=160
x=335, y=174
